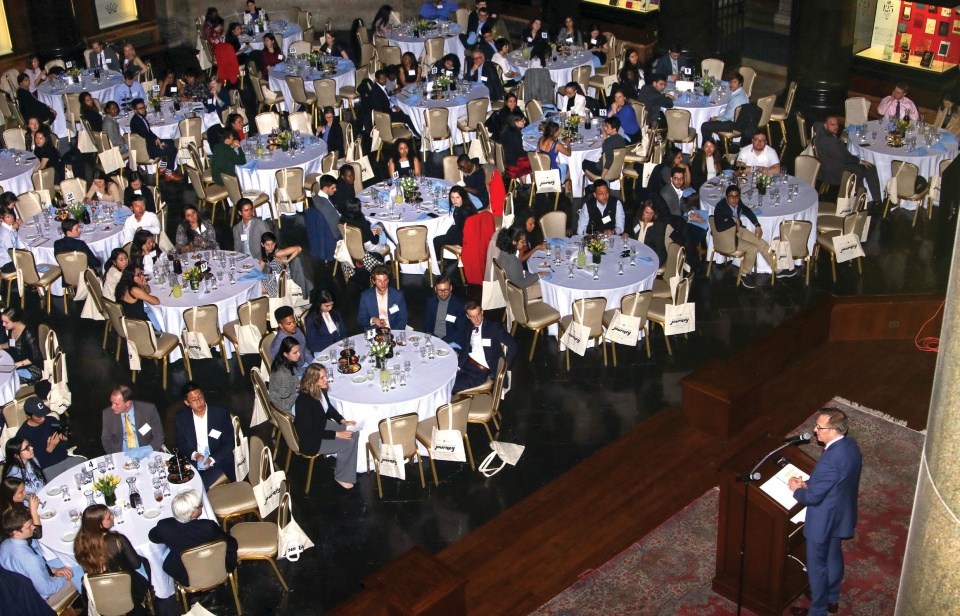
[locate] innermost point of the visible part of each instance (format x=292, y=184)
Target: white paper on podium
x=776, y=486
x=800, y=517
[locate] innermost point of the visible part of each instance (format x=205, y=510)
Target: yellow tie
x=131, y=437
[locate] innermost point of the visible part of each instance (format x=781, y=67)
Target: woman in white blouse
x=113, y=269
x=36, y=73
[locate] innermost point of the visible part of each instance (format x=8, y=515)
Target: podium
x=776, y=549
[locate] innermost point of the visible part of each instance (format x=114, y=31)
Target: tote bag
x=847, y=247
x=267, y=492
x=680, y=319
x=249, y=339
x=509, y=453
x=624, y=328
x=576, y=335
x=241, y=452
x=197, y=347
x=391, y=458
x=447, y=444
x=291, y=540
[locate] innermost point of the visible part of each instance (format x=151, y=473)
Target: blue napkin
x=460, y=100
x=705, y=99
x=555, y=242
x=725, y=83
x=121, y=216
x=531, y=130
x=139, y=453
x=688, y=192
x=202, y=464
x=644, y=260
x=252, y=274
x=43, y=268
x=411, y=88
x=939, y=147
x=423, y=217
x=413, y=99
x=728, y=173
x=472, y=38
x=550, y=107
x=948, y=137
x=393, y=100
x=918, y=151
x=547, y=277
x=758, y=212
x=250, y=165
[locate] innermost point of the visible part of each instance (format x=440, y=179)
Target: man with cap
x=287, y=327
x=129, y=423
x=47, y=433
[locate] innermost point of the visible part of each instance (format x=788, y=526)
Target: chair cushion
x=481, y=408
x=216, y=193
x=47, y=277
x=255, y=539
x=401, y=133
x=829, y=223
x=826, y=208
x=540, y=314
x=826, y=239
x=166, y=343
x=661, y=288
x=207, y=176
x=658, y=309
x=232, y=498
x=479, y=389
x=454, y=249
x=462, y=125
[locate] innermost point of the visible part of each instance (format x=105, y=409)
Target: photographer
x=50, y=434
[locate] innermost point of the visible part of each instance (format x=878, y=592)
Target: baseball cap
x=35, y=406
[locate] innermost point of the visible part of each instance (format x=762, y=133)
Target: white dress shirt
x=476, y=348
x=767, y=158
x=150, y=222
x=200, y=429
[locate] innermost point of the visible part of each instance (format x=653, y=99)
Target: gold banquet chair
x=485, y=407
x=206, y=567
x=404, y=430
x=906, y=175
x=459, y=409
x=292, y=441
x=235, y=192
x=412, y=248
x=258, y=540
x=678, y=127
x=476, y=115
x=797, y=233
x=112, y=593
x=725, y=244
x=211, y=194
x=657, y=312
x=588, y=313
x=26, y=268
x=235, y=498
x=72, y=266
x=203, y=320
x=554, y=224
x=535, y=316
x=852, y=223
x=151, y=346
x=253, y=312
x=632, y=305
x=390, y=132
x=437, y=120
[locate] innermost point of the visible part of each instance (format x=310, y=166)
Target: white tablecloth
x=9, y=379
x=561, y=71
x=102, y=91
x=881, y=155
x=560, y=291
x=17, y=178
x=413, y=105
x=262, y=174
x=590, y=149
x=428, y=386
x=292, y=34
x=345, y=76
x=700, y=112
x=804, y=207
x=134, y=526
x=169, y=126
x=416, y=46
x=227, y=298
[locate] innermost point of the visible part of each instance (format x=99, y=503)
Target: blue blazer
x=457, y=331
x=831, y=493
x=665, y=67
x=318, y=337
x=221, y=448
x=322, y=239
x=493, y=331
x=368, y=308
x=724, y=217
x=71, y=244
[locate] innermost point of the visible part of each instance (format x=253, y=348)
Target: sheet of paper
x=777, y=488
x=800, y=517
x=356, y=427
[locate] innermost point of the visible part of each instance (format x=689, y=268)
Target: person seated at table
x=271, y=55
x=382, y=305
x=761, y=157
x=404, y=162
x=113, y=269
x=381, y=21
x=321, y=206
x=248, y=230
x=474, y=179
x=476, y=22
x=612, y=140
x=671, y=63
x=164, y=149
x=485, y=347
x=653, y=98
x=48, y=155
x=287, y=328
x=111, y=128
x=332, y=48
x=410, y=71
x=706, y=164
x=648, y=229
x=835, y=158
x=672, y=208
x=14, y=495
x=89, y=112
x=103, y=188
x=144, y=251
x=17, y=591
x=129, y=423
x=947, y=117
x=332, y=132
x=30, y=105
x=253, y=13
x=727, y=214
x=135, y=189
x=20, y=553
x=485, y=73
x=573, y=100
x=444, y=315
x=104, y=56
x=227, y=155
x=48, y=431
x=322, y=430
x=539, y=53
x=624, y=111
x=510, y=76
x=71, y=242
x=600, y=213
x=517, y=165
x=8, y=238
x=724, y=121
x=346, y=189
x=438, y=10
x=512, y=242
x=32, y=128
x=323, y=324
x=185, y=530
x=462, y=208
x=487, y=44
x=23, y=344
x=896, y=106
x=232, y=37
x=100, y=549
x=272, y=262
x=661, y=174
x=374, y=243
x=133, y=293
x=285, y=372
x=218, y=97
x=596, y=44
x=448, y=65
x=569, y=35
x=132, y=62
x=206, y=431
x=131, y=88
x=527, y=221
x=139, y=219
x=533, y=32
x=379, y=100
x=629, y=84
x=38, y=74
x=551, y=145
x=214, y=38
x=195, y=86
x=20, y=463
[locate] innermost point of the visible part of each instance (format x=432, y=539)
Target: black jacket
x=129, y=193
x=724, y=217
x=493, y=332
x=488, y=76
x=458, y=329
x=335, y=140
x=179, y=537
x=71, y=244
x=654, y=101
x=311, y=421
x=31, y=107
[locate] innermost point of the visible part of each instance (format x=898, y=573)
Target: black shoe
x=833, y=608
x=799, y=611
x=747, y=282
x=787, y=273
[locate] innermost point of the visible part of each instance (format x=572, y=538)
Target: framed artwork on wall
x=945, y=12
x=944, y=29
x=906, y=13
x=956, y=26
x=944, y=49
x=901, y=27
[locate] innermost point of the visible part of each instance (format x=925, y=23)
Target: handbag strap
x=237, y=432
x=266, y=460
x=285, y=513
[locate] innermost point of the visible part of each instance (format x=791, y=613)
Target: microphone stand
x=746, y=480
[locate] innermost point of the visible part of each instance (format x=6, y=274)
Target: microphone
x=799, y=439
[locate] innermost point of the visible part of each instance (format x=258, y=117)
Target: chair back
x=906, y=174
x=29, y=205
x=291, y=180
x=791, y=94
x=856, y=110
x=854, y=223
x=300, y=47
x=298, y=92
x=766, y=109
x=44, y=179
x=412, y=244
x=326, y=91
x=538, y=161
x=451, y=172
x=13, y=413
x=683, y=290
x=534, y=111
x=114, y=313
x=192, y=127
x=636, y=304
x=712, y=67
x=300, y=120
x=501, y=276
x=678, y=124
x=749, y=76
x=806, y=168
x=232, y=184
x=403, y=431
x=266, y=122
x=438, y=121
x=554, y=224
x=203, y=319
x=477, y=111
x=73, y=186
x=256, y=461
x=589, y=313
x=516, y=301
x=26, y=266
x=389, y=55
x=260, y=393
x=797, y=233
x=254, y=312
x=499, y=159
x=265, y=355
x=434, y=47
x=206, y=564
x=640, y=110
x=55, y=63
x=725, y=243
x=72, y=266
x=95, y=290
x=382, y=122
x=328, y=163
x=581, y=75
x=289, y=431
x=354, y=240
x=111, y=593
x=367, y=53
x=15, y=138
x=140, y=332
x=676, y=257
x=456, y=417
x=196, y=183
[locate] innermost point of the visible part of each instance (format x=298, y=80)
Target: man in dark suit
x=322, y=202
x=727, y=214
x=205, y=433
x=488, y=46
x=653, y=98
x=831, y=499
x=104, y=56
x=30, y=105
x=835, y=159
x=672, y=209
x=378, y=99
x=444, y=315
x=345, y=188
x=483, y=350
x=71, y=242
x=129, y=423
x=670, y=65
x=382, y=305
x=163, y=149
x=185, y=531
x=485, y=73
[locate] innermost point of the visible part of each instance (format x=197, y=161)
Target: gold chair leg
x=710, y=262
x=165, y=362
x=886, y=208
x=603, y=346
x=286, y=467
x=65, y=288
x=223, y=355
x=567, y=352
x=423, y=483
x=833, y=266
x=666, y=339
x=183, y=595
x=433, y=467
x=376, y=464
x=489, y=433
x=646, y=335
x=396, y=273
x=106, y=330
x=236, y=596
x=310, y=475
x=277, y=571
x=533, y=346
x=186, y=362
x=466, y=442
x=613, y=349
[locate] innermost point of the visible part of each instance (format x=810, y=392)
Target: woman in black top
x=596, y=43
x=708, y=153
x=89, y=112
x=321, y=429
x=449, y=64
x=527, y=221
x=23, y=346
x=511, y=138
x=331, y=47
x=135, y=188
x=132, y=292
x=533, y=33
x=233, y=38
x=353, y=215
x=353, y=45
x=498, y=119
x=462, y=208
x=47, y=154
x=317, y=329
x=404, y=161
x=331, y=132
x=99, y=549
x=409, y=70
x=631, y=61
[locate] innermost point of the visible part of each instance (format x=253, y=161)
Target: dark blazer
x=655, y=238
x=335, y=140
x=378, y=100
x=369, y=310
x=724, y=216
x=70, y=244
x=833, y=155
x=32, y=107
x=219, y=102
x=17, y=590
x=488, y=76
x=311, y=421
x=179, y=537
x=458, y=329
x=221, y=448
x=321, y=236
x=831, y=492
x=318, y=337
x=110, y=59
x=93, y=117
x=491, y=330
x=129, y=194
x=654, y=101
x=664, y=66
x=345, y=192
x=140, y=126
x=144, y=414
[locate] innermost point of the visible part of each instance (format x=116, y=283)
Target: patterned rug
x=669, y=571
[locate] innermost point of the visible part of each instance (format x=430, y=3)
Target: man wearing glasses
x=205, y=434
x=831, y=499
x=444, y=315
x=164, y=149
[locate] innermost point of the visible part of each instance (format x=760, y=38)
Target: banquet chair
x=261, y=396
x=328, y=164
x=476, y=116
x=500, y=164
x=640, y=110
x=292, y=441
x=265, y=356
x=55, y=64
x=380, y=41
x=412, y=248
x=797, y=233
x=541, y=162
x=13, y=414
x=727, y=135
x=451, y=172
x=725, y=244
x=602, y=78
x=61, y=606
x=827, y=210
x=485, y=407
x=534, y=111
x=906, y=176
x=140, y=159
x=253, y=312
x=856, y=110
x=368, y=56
x=327, y=96
x=10, y=278
x=267, y=122
x=27, y=272
x=73, y=186
x=266, y=101
x=589, y=313
x=114, y=314
x=300, y=96
x=632, y=305
x=153, y=345
x=43, y=181
x=390, y=132
x=235, y=193
x=434, y=47
x=678, y=127
x=300, y=47
x=15, y=138
x=749, y=76
x=29, y=205
x=112, y=593
x=290, y=181
x=389, y=55
x=95, y=293
x=203, y=320
x=454, y=419
x=657, y=312
x=346, y=93
x=301, y=121
x=403, y=429
x=712, y=67
x=672, y=267
x=437, y=121
x=852, y=223
x=554, y=224
x=806, y=168
x=206, y=567
x=8, y=81
x=353, y=238
x=581, y=75
x=535, y=316
x=211, y=194
x=614, y=172
x=258, y=540
x=462, y=19
x=72, y=266
x=766, y=110
x=781, y=114
x=457, y=251
x=235, y=499
x=933, y=195
x=802, y=130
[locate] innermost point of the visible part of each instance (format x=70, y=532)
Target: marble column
x=928, y=581
x=821, y=48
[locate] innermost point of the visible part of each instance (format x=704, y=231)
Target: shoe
x=344, y=484
x=799, y=611
x=173, y=176
x=747, y=282
x=787, y=273
x=833, y=608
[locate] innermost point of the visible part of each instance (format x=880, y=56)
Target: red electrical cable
x=929, y=344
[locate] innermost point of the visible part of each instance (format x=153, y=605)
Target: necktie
x=898, y=110
x=128, y=428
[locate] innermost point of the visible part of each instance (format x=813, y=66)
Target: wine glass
x=407, y=366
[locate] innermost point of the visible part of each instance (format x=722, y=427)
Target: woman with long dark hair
x=195, y=233
x=23, y=346
x=13, y=493
x=100, y=549
x=284, y=379
x=462, y=208
x=569, y=35
x=331, y=132
x=144, y=250
x=270, y=55
x=89, y=111
x=381, y=21
x=512, y=242
x=706, y=163
x=551, y=145
x=374, y=248
x=404, y=161
x=21, y=464
x=323, y=324
x=527, y=221
x=112, y=270
x=103, y=188
x=410, y=72
x=273, y=259
x=133, y=293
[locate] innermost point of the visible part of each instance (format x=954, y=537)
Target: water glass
x=102, y=466
x=65, y=491
x=89, y=495
x=117, y=514
x=78, y=477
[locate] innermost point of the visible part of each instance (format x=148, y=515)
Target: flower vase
x=285, y=146
x=761, y=190
x=380, y=362
x=110, y=499
x=596, y=258
x=194, y=285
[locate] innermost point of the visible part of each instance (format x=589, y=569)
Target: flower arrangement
x=74, y=72
x=708, y=84
x=900, y=126
x=193, y=274
x=597, y=247
x=443, y=81
x=155, y=101
x=408, y=184
x=573, y=122
x=379, y=349
x=763, y=182
x=107, y=485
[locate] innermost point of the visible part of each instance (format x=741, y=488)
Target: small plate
x=413, y=338
x=151, y=513
x=69, y=536
x=544, y=265
x=131, y=465
x=54, y=491
x=31, y=236
x=324, y=357
x=247, y=266
x=443, y=352
x=360, y=379
x=46, y=515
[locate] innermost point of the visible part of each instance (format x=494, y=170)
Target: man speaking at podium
x=831, y=499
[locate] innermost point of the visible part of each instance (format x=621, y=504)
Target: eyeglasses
x=196, y=398
x=26, y=448
x=822, y=428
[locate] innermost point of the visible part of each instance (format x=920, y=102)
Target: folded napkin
x=644, y=260
x=939, y=147
x=725, y=83
x=413, y=99
x=252, y=274
x=460, y=100
x=556, y=242
x=948, y=137
x=688, y=192
x=728, y=173
x=250, y=165
x=423, y=217
x=703, y=214
x=549, y=107
x=139, y=453
x=918, y=151
x=547, y=277
x=202, y=464
x=121, y=216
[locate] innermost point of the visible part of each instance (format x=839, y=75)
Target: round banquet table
x=701, y=109
x=102, y=91
x=134, y=526
x=413, y=104
x=227, y=298
x=289, y=34
x=590, y=149
x=400, y=37
x=168, y=126
x=9, y=379
x=261, y=174
x=406, y=215
x=881, y=155
x=804, y=207
x=17, y=178
x=561, y=71
x=560, y=291
x=345, y=77
x=429, y=386
x=102, y=237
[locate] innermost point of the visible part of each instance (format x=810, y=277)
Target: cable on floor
x=929, y=344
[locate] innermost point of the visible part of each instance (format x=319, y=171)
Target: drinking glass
x=78, y=477
x=407, y=366
x=423, y=355
x=65, y=491
x=117, y=514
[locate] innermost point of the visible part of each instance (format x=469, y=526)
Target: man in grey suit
x=672, y=207
x=322, y=201
x=247, y=232
x=129, y=423
x=104, y=56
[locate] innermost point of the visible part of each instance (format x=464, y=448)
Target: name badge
x=138, y=192
x=483, y=79
x=605, y=219
x=144, y=429
x=243, y=237
x=451, y=318
x=215, y=434
x=280, y=56
x=394, y=309
x=210, y=101
x=636, y=229
x=404, y=164
x=156, y=88
x=411, y=73
x=485, y=342
x=543, y=35
x=593, y=41
x=173, y=89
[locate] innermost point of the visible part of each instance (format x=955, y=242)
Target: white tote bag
x=847, y=199
x=342, y=254
x=391, y=458
x=547, y=181
x=291, y=540
x=197, y=347
x=267, y=492
x=366, y=169
x=576, y=336
x=249, y=339
x=295, y=294
x=623, y=329
x=847, y=247
x=447, y=444
x=85, y=143
x=111, y=160
x=60, y=397
x=476, y=151
x=509, y=453
x=680, y=319
x=241, y=452
x=132, y=355
x=784, y=254
x=375, y=140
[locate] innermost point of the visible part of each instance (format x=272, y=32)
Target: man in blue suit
x=483, y=350
x=831, y=499
x=382, y=305
x=71, y=242
x=444, y=315
x=670, y=64
x=205, y=434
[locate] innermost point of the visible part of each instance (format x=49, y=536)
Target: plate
x=46, y=515
x=131, y=465
x=151, y=513
x=383, y=215
x=69, y=536
x=247, y=266
x=31, y=236
x=443, y=352
x=544, y=265
x=54, y=491
x=324, y=357
x=359, y=379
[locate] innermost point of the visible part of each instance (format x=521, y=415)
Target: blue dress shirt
x=23, y=556
x=736, y=99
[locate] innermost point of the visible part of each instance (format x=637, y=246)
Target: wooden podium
x=775, y=545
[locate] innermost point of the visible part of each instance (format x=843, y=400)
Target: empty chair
x=400, y=430
x=485, y=406
x=554, y=224
x=389, y=56
x=437, y=120
x=588, y=313
x=852, y=223
x=806, y=168
x=267, y=122
x=452, y=418
x=657, y=312
x=632, y=305
x=712, y=67
x=203, y=320
x=412, y=247
x=235, y=498
x=153, y=345
x=258, y=540
x=299, y=94
x=749, y=76
x=906, y=179
x=31, y=276
x=766, y=109
x=797, y=233
x=781, y=114
x=856, y=110
x=541, y=162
